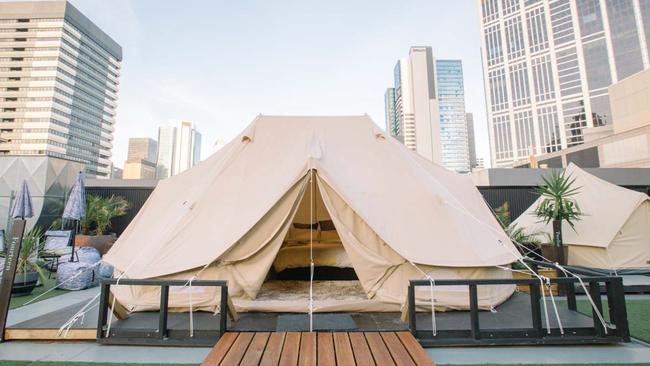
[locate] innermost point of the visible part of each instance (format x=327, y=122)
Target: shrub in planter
x=27, y=270
x=95, y=225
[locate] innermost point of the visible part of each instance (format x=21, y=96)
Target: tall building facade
x=179, y=148
x=453, y=124
x=59, y=81
x=547, y=66
x=425, y=109
x=141, y=159
x=471, y=140
x=415, y=104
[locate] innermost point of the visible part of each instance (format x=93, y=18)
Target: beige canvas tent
x=334, y=189
x=613, y=234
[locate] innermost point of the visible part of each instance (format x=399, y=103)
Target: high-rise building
x=143, y=148
x=471, y=140
x=58, y=84
x=547, y=66
x=426, y=108
x=453, y=125
x=179, y=148
x=141, y=159
x=417, y=120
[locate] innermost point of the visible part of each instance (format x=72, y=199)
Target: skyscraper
x=547, y=66
x=426, y=108
x=453, y=124
x=471, y=141
x=58, y=84
x=417, y=121
x=179, y=148
x=141, y=159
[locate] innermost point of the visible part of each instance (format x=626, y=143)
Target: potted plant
x=557, y=205
x=27, y=270
x=95, y=225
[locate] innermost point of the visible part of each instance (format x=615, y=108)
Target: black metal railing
x=161, y=334
x=617, y=326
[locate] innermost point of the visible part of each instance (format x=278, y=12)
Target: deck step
x=318, y=348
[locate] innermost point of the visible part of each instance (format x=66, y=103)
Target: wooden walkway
x=322, y=349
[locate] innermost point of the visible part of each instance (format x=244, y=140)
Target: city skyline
x=299, y=73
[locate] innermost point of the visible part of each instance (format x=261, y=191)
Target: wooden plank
x=396, y=349
x=74, y=334
x=326, y=356
x=238, y=349
x=220, y=349
x=273, y=349
x=378, y=349
x=414, y=349
x=290, y=350
x=256, y=349
x=360, y=348
x=307, y=349
x=344, y=356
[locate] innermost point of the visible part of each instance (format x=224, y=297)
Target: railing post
x=105, y=289
x=223, y=319
x=535, y=309
x=164, y=303
x=594, y=292
x=617, y=303
x=411, y=308
x=473, y=309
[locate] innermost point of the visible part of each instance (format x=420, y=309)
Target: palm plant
x=558, y=204
x=100, y=211
x=517, y=234
x=28, y=256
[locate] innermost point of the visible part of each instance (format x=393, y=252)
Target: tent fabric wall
x=614, y=231
x=229, y=214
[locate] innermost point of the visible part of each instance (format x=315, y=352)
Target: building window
x=490, y=10
x=524, y=130
x=537, y=35
x=600, y=112
x=561, y=22
x=543, y=79
x=575, y=121
x=502, y=137
x=519, y=85
x=590, y=18
x=509, y=6
x=597, y=64
x=625, y=39
x=549, y=129
x=493, y=44
x=514, y=37
x=568, y=72
x=498, y=90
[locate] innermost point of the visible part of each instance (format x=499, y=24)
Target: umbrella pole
x=74, y=236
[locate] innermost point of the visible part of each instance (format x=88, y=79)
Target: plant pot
x=546, y=272
x=24, y=283
x=549, y=252
x=100, y=242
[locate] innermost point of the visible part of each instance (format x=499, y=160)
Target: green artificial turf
x=18, y=301
x=638, y=316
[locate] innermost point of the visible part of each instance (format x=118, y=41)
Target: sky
x=221, y=63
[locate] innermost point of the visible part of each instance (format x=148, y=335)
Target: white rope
x=79, y=272
x=432, y=283
x=191, y=308
x=68, y=324
x=593, y=305
x=557, y=315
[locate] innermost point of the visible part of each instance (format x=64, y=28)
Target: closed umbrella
x=21, y=210
x=75, y=208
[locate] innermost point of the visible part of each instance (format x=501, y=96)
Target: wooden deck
x=322, y=348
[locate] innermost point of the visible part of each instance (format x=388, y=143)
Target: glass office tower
x=547, y=66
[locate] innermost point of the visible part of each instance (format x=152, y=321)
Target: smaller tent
x=614, y=231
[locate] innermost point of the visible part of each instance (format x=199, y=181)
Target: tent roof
x=606, y=208
x=427, y=214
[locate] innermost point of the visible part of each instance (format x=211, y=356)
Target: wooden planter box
x=550, y=273
x=100, y=242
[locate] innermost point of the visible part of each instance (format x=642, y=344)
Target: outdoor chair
x=57, y=244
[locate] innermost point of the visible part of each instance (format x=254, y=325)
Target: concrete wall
x=630, y=102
